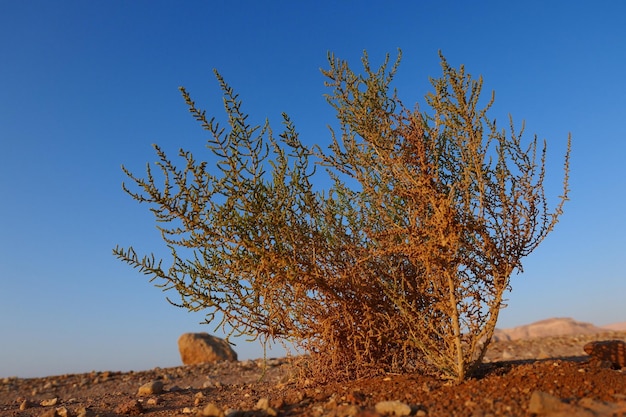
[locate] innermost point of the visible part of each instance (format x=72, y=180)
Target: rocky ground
x=546, y=377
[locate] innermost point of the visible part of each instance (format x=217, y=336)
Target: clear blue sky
x=86, y=86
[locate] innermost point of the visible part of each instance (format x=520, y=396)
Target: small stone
x=153, y=401
x=394, y=408
x=130, y=407
x=212, y=410
x=84, y=412
x=50, y=402
x=262, y=404
x=150, y=388
x=542, y=403
x=62, y=412
x=198, y=398
x=25, y=405
x=600, y=408
x=506, y=355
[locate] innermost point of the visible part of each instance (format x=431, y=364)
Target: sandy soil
x=547, y=376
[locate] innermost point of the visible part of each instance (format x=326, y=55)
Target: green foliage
x=400, y=265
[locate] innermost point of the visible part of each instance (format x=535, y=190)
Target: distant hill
x=560, y=326
x=620, y=327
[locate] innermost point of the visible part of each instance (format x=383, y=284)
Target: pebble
x=62, y=412
x=150, y=388
x=212, y=410
x=26, y=404
x=542, y=403
x=603, y=408
x=84, y=412
x=506, y=355
x=264, y=405
x=50, y=402
x=131, y=407
x=394, y=408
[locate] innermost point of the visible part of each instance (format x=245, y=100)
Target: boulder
x=612, y=352
x=197, y=348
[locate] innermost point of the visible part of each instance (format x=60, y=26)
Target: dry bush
x=400, y=265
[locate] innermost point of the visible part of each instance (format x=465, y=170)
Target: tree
x=400, y=265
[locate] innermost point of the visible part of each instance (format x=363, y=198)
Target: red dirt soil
x=548, y=376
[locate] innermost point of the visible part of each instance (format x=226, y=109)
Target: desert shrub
x=400, y=264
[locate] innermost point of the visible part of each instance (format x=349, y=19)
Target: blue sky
x=88, y=86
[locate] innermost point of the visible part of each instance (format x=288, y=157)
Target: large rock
x=613, y=352
x=203, y=348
